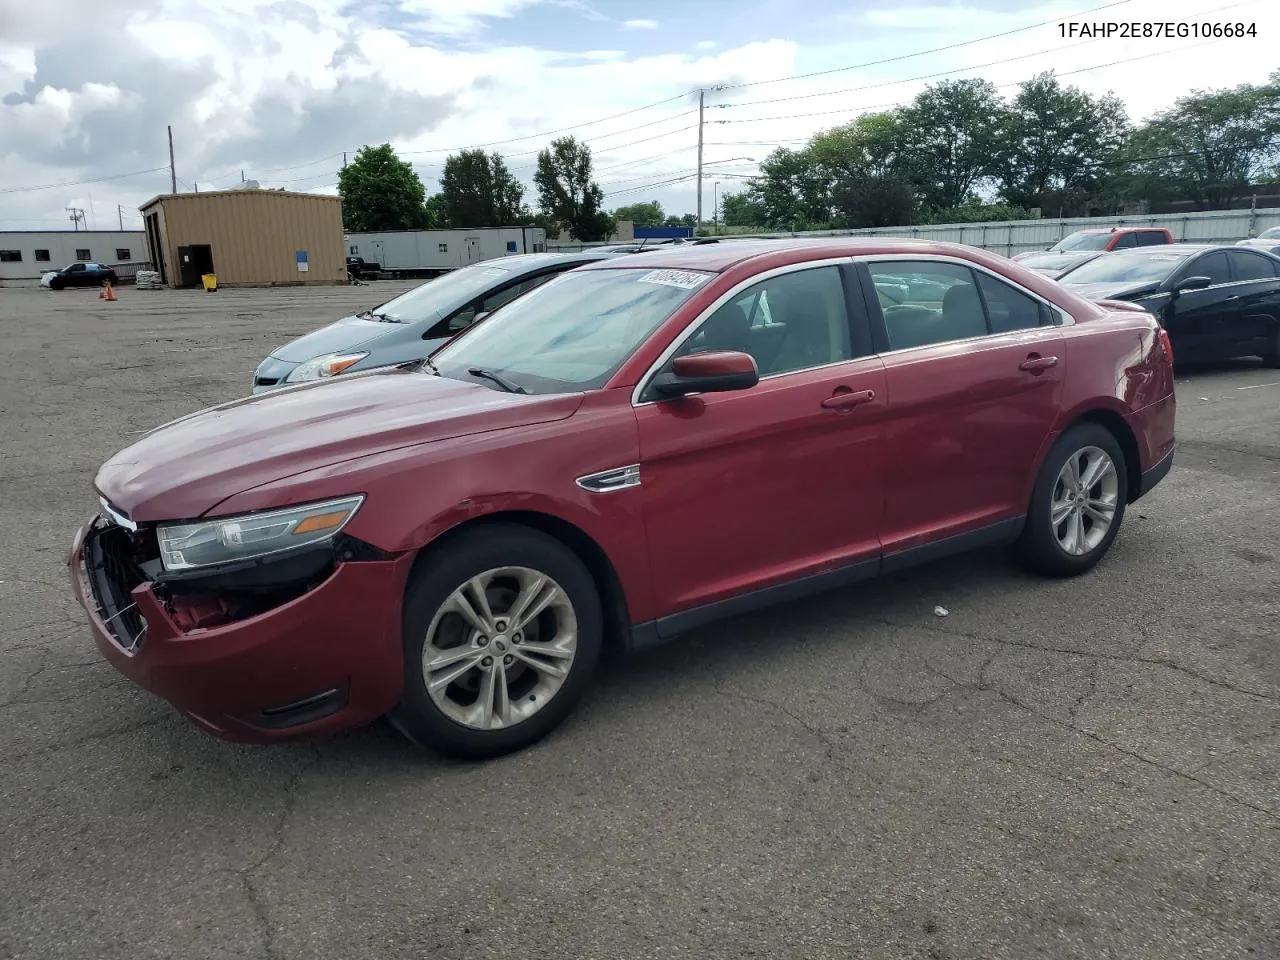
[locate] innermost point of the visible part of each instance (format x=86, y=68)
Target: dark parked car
x=410, y=326
x=79, y=275
x=1216, y=302
x=630, y=451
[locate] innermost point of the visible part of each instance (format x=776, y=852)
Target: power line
x=918, y=53
x=944, y=73
x=1001, y=86
x=80, y=183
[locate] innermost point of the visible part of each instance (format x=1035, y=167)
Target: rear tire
x=506, y=623
x=1077, y=505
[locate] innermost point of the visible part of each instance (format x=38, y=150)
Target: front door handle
x=848, y=399
x=1037, y=364
x=1234, y=296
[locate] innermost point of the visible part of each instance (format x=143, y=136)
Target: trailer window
x=42, y=256
x=444, y=248
x=10, y=256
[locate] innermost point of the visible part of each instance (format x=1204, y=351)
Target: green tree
x=954, y=132
x=869, y=177
x=1209, y=146
x=683, y=220
x=568, y=194
x=642, y=214
x=381, y=192
x=479, y=191
x=437, y=214
x=1060, y=147
x=741, y=210
x=789, y=191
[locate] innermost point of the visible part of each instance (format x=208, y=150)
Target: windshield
x=1125, y=268
x=454, y=289
x=1082, y=241
x=572, y=333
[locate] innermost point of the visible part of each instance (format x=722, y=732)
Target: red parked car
x=632, y=450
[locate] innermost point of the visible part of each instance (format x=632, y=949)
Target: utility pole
x=701, y=104
x=344, y=160
x=173, y=172
x=242, y=176
x=120, y=216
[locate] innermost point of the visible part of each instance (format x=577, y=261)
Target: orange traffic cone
x=107, y=293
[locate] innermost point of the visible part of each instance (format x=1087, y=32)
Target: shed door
x=473, y=250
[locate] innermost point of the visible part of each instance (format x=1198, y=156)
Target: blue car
x=412, y=325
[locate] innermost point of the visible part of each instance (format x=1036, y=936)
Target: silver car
x=413, y=324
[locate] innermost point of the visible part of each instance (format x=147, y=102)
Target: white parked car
x=1268, y=240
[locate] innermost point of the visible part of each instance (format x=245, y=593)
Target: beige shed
x=246, y=237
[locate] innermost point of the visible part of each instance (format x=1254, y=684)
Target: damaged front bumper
x=294, y=647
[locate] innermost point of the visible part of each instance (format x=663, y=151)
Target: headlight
x=330, y=365
x=187, y=546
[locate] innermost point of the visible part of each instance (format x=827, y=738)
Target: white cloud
x=292, y=84
x=641, y=24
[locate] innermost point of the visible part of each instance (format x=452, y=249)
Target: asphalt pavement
x=1077, y=769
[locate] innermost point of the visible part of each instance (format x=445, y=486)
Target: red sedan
x=632, y=450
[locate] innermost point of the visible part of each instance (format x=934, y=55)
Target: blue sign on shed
x=303, y=264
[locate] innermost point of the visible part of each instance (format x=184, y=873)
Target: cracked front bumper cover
x=326, y=661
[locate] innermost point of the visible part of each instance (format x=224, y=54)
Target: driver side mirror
x=716, y=371
x=1193, y=283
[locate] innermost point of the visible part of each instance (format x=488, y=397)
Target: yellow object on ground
x=210, y=282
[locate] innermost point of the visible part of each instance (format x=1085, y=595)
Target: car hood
x=349, y=333
x=185, y=468
x=1109, y=291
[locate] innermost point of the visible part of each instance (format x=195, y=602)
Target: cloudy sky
x=281, y=89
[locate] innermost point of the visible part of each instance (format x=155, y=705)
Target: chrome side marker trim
x=608, y=481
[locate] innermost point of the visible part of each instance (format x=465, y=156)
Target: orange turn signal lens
x=320, y=522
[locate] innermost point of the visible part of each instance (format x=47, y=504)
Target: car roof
x=719, y=257
x=1186, y=249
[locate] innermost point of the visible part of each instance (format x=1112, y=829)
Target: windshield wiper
x=380, y=317
x=497, y=378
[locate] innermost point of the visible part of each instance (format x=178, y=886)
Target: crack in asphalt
x=1089, y=691
x=29, y=681
x=1066, y=651
x=1009, y=698
x=248, y=873
x=94, y=737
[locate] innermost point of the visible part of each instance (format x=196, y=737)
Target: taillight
x=1165, y=343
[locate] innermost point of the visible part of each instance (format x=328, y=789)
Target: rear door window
x=1125, y=241
x=1250, y=266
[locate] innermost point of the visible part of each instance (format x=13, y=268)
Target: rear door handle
x=1037, y=364
x=848, y=399
x=1234, y=296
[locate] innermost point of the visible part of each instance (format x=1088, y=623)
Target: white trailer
x=418, y=252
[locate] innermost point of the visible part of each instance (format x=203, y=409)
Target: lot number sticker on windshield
x=683, y=279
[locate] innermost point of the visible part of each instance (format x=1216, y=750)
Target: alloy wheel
x=499, y=648
x=1084, y=502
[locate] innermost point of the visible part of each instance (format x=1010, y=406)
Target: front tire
x=1077, y=505
x=502, y=633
